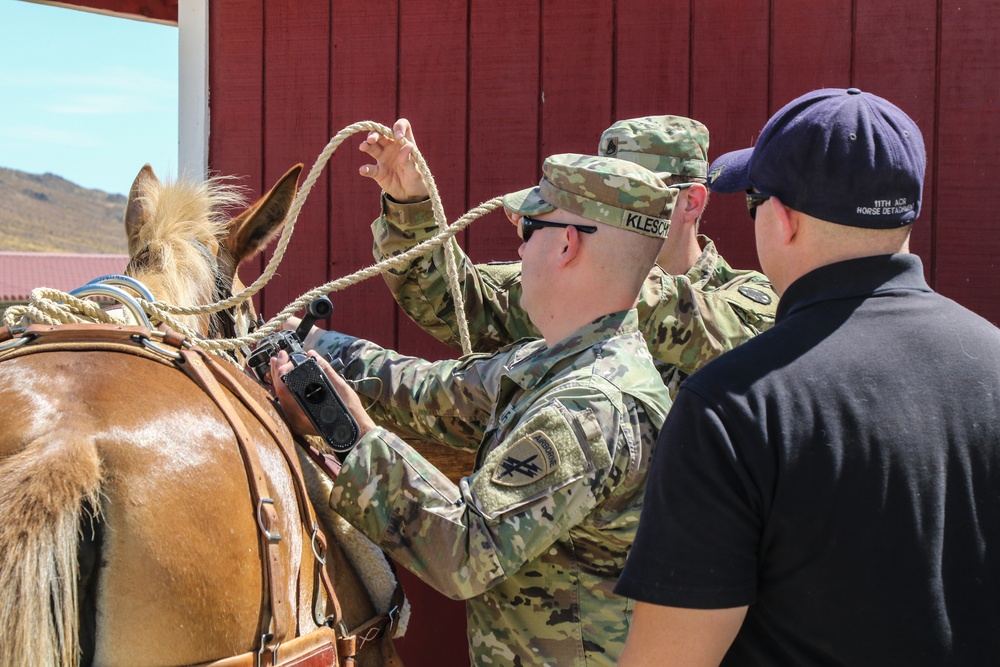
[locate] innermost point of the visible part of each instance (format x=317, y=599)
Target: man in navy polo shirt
x=829, y=492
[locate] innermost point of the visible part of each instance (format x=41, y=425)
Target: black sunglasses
x=755, y=199
x=531, y=225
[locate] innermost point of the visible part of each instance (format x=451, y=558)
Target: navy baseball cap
x=839, y=155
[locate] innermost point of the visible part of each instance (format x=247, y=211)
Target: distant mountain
x=47, y=213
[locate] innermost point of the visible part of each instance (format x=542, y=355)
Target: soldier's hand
x=297, y=419
x=394, y=169
x=346, y=392
x=515, y=218
x=294, y=415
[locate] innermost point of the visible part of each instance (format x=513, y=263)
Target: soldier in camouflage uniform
x=536, y=537
x=693, y=305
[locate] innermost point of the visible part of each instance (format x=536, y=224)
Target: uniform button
x=853, y=91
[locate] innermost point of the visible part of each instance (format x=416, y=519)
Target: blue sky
x=88, y=97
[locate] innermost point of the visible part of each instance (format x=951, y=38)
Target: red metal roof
x=158, y=11
x=20, y=272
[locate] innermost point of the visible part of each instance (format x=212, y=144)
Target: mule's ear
x=252, y=230
x=137, y=212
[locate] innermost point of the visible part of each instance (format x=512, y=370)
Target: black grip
x=323, y=405
x=318, y=309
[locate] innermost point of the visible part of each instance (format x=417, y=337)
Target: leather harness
x=276, y=647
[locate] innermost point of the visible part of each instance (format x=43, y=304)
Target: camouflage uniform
x=536, y=537
x=687, y=319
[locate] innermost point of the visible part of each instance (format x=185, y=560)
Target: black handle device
x=307, y=382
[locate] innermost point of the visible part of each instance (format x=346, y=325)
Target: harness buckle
x=263, y=647
x=321, y=559
x=393, y=615
x=273, y=537
x=20, y=340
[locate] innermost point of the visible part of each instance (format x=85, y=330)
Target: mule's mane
x=174, y=251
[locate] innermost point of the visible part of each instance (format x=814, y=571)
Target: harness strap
x=306, y=511
x=370, y=630
x=348, y=642
x=53, y=338
x=272, y=628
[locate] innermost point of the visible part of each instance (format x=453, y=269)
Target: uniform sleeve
x=687, y=323
x=543, y=479
x=492, y=292
x=699, y=531
x=688, y=320
x=448, y=402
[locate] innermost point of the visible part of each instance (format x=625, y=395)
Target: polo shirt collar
x=852, y=279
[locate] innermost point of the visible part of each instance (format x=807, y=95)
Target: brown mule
x=133, y=528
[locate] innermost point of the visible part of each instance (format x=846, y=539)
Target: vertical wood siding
x=493, y=87
x=966, y=241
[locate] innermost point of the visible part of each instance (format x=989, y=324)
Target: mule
x=146, y=521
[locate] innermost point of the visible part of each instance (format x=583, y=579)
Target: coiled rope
x=51, y=306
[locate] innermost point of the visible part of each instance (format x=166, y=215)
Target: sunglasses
x=531, y=225
x=755, y=199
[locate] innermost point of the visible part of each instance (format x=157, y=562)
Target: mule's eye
x=140, y=261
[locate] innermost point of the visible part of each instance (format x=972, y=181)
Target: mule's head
x=182, y=246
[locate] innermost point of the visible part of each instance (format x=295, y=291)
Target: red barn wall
x=493, y=87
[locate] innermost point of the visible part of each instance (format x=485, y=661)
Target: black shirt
x=839, y=474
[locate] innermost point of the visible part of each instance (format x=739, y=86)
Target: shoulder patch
x=756, y=295
x=753, y=298
x=527, y=460
x=541, y=455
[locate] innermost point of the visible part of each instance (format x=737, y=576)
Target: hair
x=676, y=180
x=627, y=256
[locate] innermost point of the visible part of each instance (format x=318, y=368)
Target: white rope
x=50, y=306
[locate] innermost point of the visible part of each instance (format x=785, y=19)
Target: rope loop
x=51, y=306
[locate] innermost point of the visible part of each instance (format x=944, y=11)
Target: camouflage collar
x=706, y=264
x=703, y=268
x=533, y=361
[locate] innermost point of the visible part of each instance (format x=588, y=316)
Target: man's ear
x=570, y=248
x=788, y=220
x=693, y=202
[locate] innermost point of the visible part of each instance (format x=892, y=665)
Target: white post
x=193, y=126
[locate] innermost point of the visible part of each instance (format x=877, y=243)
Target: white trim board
x=192, y=94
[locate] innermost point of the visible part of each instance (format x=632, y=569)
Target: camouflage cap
x=667, y=145
x=606, y=190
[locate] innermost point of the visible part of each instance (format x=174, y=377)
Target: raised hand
x=394, y=169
